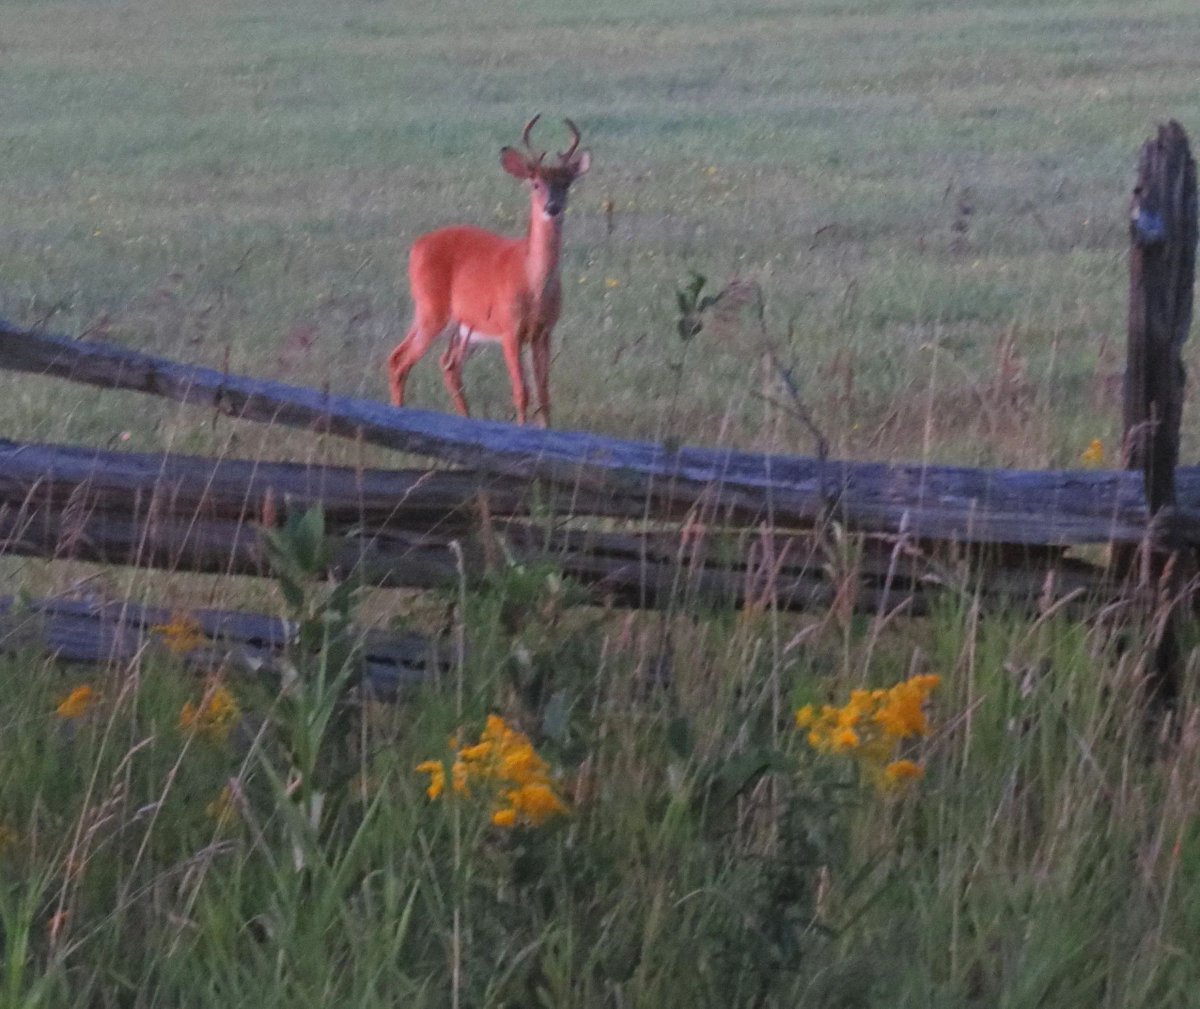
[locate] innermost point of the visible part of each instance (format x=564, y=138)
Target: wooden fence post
x=1162, y=268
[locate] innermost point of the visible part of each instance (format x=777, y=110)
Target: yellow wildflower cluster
x=1093, y=455
x=77, y=702
x=504, y=762
x=181, y=634
x=870, y=727
x=215, y=715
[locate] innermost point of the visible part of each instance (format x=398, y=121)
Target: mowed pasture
x=931, y=198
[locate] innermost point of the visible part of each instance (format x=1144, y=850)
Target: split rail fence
x=756, y=528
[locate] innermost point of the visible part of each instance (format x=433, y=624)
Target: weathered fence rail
x=419, y=530
x=1094, y=505
x=600, y=475
x=96, y=631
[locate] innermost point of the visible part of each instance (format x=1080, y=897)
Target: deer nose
x=555, y=206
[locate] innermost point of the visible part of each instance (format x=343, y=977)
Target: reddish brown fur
x=467, y=279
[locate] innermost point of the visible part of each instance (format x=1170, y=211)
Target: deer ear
x=515, y=163
x=581, y=162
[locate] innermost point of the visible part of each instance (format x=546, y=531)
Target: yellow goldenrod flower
x=901, y=715
x=870, y=727
x=522, y=764
x=536, y=802
x=504, y=818
x=899, y=772
x=181, y=634
x=77, y=702
x=849, y=716
x=477, y=754
x=215, y=715
x=1093, y=455
x=846, y=739
x=437, y=776
x=458, y=779
x=504, y=763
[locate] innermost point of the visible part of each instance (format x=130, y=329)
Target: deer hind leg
x=407, y=353
x=452, y=361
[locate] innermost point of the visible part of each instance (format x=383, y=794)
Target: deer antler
x=574, y=141
x=534, y=155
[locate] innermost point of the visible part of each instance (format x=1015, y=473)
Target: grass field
x=208, y=178
x=931, y=197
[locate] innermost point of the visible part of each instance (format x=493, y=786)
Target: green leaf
x=310, y=636
x=679, y=737
x=743, y=770
x=309, y=540
x=341, y=599
x=293, y=591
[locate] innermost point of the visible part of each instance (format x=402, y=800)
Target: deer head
x=549, y=182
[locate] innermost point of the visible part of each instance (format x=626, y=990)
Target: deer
x=480, y=287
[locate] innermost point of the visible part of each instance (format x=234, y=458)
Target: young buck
x=482, y=287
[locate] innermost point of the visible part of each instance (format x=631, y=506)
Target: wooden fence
x=608, y=512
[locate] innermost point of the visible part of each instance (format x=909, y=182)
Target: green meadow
x=929, y=199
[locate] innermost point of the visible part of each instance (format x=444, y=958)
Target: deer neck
x=543, y=245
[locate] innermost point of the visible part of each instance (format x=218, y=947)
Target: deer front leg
x=452, y=369
x=516, y=375
x=541, y=374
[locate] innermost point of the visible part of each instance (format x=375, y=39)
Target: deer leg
x=541, y=374
x=407, y=353
x=452, y=368
x=516, y=375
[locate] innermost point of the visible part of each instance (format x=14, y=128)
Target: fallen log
x=926, y=502
x=93, y=631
